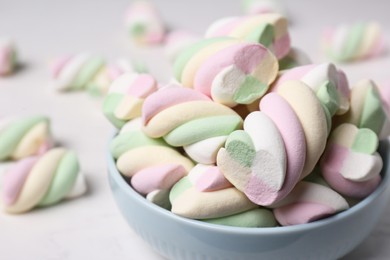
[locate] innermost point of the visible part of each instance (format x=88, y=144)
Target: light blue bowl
x=175, y=237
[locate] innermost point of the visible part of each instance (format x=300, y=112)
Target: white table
x=92, y=227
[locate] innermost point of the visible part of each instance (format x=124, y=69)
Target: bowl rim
x=281, y=230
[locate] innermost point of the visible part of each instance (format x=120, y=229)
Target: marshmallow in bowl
x=126, y=96
x=350, y=163
x=187, y=118
x=7, y=57
x=23, y=137
x=353, y=42
x=40, y=181
x=280, y=145
x=367, y=109
x=153, y=166
x=269, y=30
x=228, y=70
x=308, y=202
x=144, y=24
x=75, y=72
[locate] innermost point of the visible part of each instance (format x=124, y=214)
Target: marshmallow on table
x=126, y=96
x=350, y=163
x=354, y=42
x=144, y=24
x=269, y=30
x=20, y=138
x=330, y=85
x=367, y=109
x=228, y=70
x=153, y=166
x=187, y=118
x=262, y=6
x=7, y=57
x=42, y=181
x=177, y=41
x=75, y=72
x=279, y=145
x=308, y=202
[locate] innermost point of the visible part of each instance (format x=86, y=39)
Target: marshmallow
x=294, y=58
x=42, y=181
x=228, y=70
x=367, y=110
x=350, y=163
x=190, y=119
x=354, y=42
x=126, y=97
x=75, y=72
x=144, y=24
x=269, y=30
x=7, y=57
x=308, y=202
x=20, y=138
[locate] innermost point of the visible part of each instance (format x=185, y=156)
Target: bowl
x=175, y=237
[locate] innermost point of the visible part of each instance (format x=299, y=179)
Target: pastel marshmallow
x=8, y=57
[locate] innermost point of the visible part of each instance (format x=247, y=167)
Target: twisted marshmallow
x=126, y=97
x=144, y=23
x=354, y=42
x=350, y=163
x=269, y=30
x=185, y=117
x=24, y=137
x=279, y=145
x=153, y=166
x=7, y=57
x=227, y=70
x=42, y=181
x=177, y=41
x=75, y=72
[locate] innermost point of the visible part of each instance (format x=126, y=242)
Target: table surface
x=92, y=225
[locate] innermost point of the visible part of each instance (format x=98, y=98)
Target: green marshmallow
x=263, y=34
x=180, y=187
x=251, y=218
x=63, y=180
x=373, y=116
x=329, y=97
x=109, y=105
x=250, y=90
x=131, y=140
x=203, y=128
x=240, y=147
x=12, y=134
x=366, y=141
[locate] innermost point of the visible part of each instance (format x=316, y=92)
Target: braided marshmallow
x=367, y=110
x=330, y=85
x=75, y=72
x=205, y=194
x=153, y=166
x=350, y=163
x=7, y=57
x=308, y=202
x=144, y=23
x=227, y=70
x=279, y=145
x=269, y=30
x=185, y=117
x=262, y=6
x=354, y=42
x=42, y=181
x=24, y=137
x=126, y=97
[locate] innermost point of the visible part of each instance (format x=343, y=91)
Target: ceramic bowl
x=175, y=237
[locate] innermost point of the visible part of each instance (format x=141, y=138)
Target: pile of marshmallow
x=246, y=135
x=34, y=173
